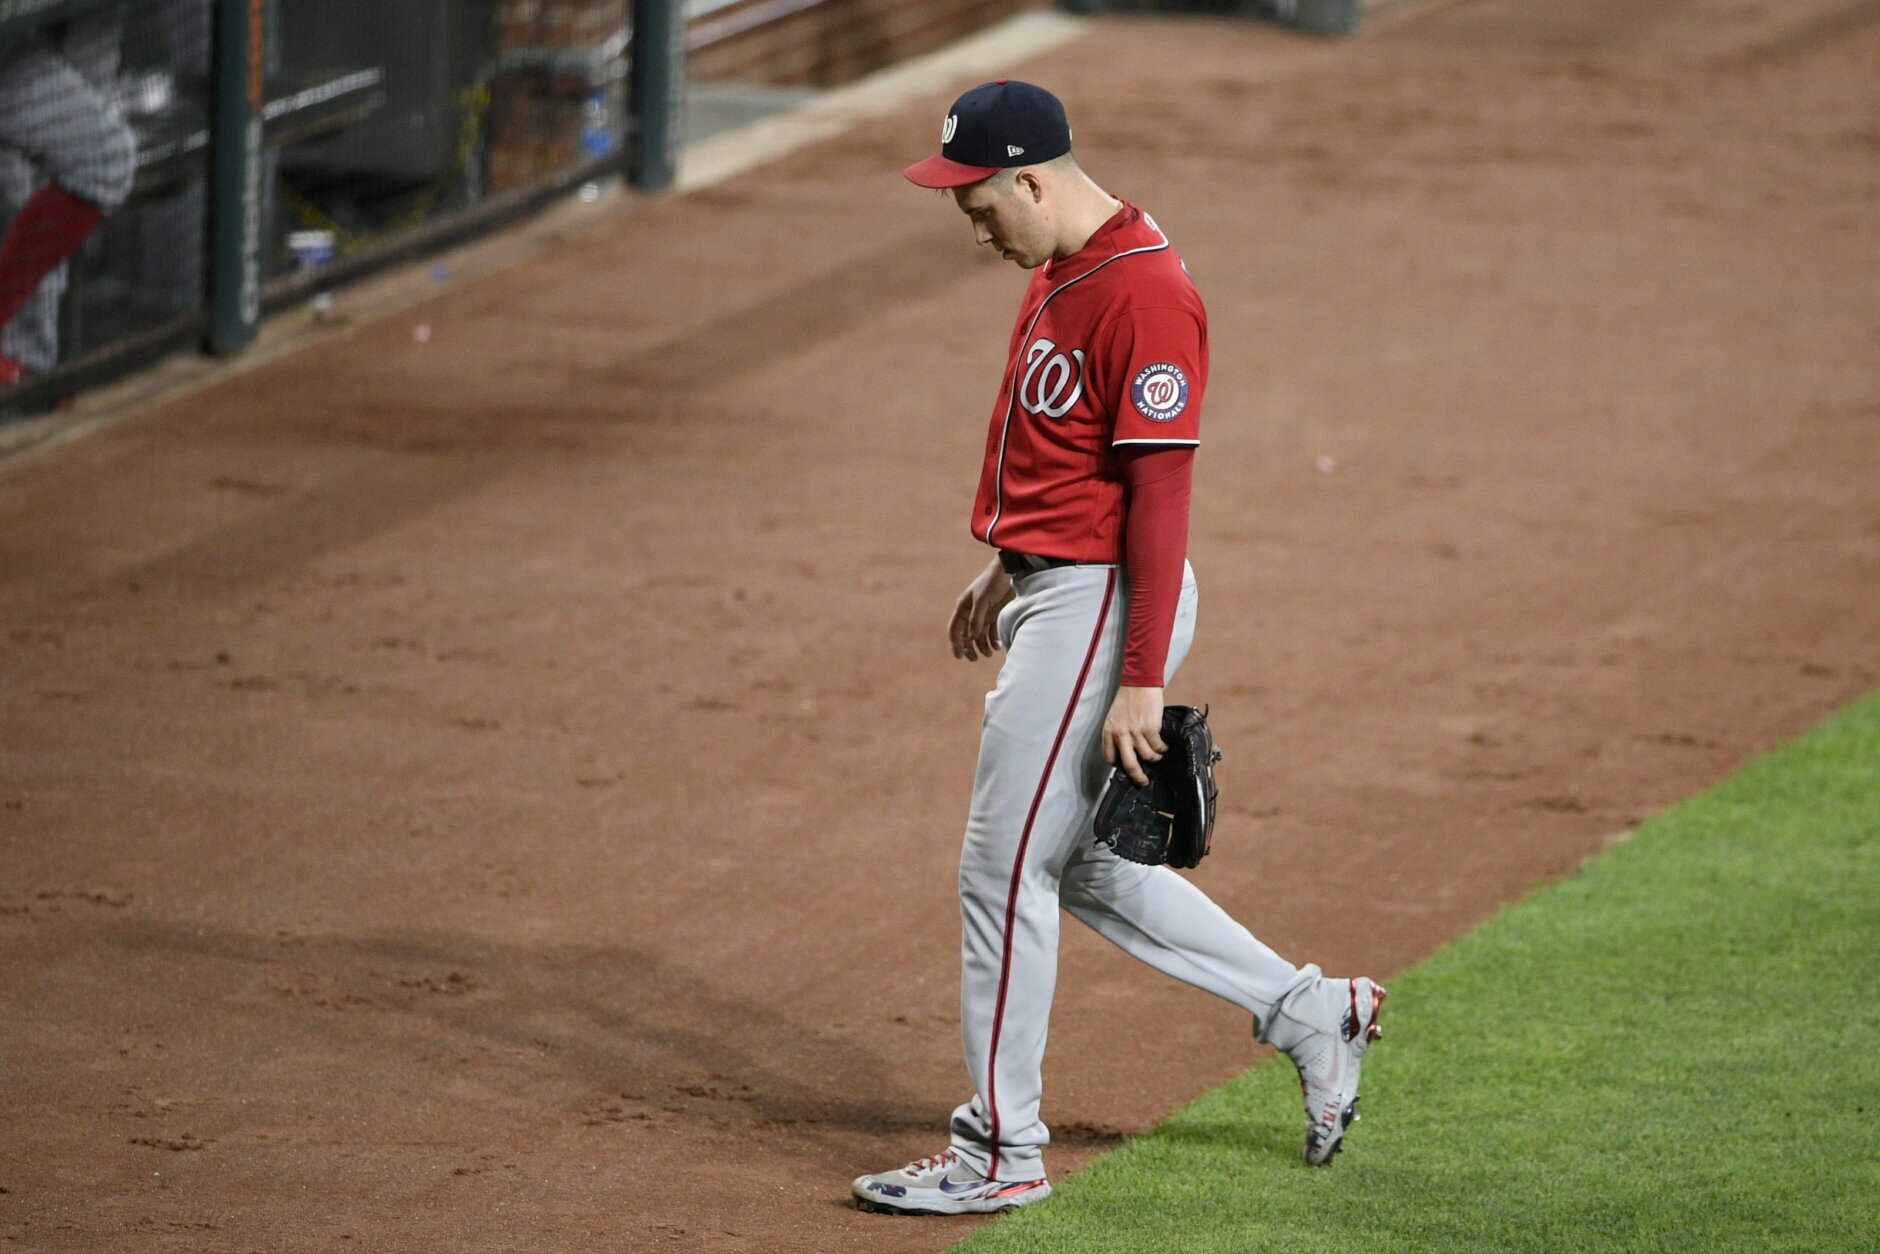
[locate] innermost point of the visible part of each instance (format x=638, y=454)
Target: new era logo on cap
x=993, y=127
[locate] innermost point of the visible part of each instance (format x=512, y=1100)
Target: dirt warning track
x=503, y=792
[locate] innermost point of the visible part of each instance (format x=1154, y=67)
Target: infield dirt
x=503, y=792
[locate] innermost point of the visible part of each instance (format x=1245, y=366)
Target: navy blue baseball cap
x=994, y=127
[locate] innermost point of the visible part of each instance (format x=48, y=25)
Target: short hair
x=1002, y=181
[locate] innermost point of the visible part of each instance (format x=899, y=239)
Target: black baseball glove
x=1171, y=818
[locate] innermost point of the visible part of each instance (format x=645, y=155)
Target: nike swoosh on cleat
x=954, y=1189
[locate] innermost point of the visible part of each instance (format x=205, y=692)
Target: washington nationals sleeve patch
x=1160, y=391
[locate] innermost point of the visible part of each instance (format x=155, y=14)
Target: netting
x=434, y=108
x=171, y=169
x=103, y=138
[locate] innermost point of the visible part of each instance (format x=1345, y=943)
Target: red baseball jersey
x=1110, y=350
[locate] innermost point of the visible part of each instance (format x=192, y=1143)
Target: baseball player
x=1084, y=495
x=67, y=158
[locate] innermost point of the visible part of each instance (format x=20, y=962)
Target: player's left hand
x=1132, y=733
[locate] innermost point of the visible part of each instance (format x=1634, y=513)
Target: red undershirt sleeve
x=1155, y=550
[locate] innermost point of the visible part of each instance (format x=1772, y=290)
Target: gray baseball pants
x=60, y=123
x=1029, y=850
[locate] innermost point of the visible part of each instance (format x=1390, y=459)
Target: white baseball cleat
x=1328, y=1062
x=943, y=1185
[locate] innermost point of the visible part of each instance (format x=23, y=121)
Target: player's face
x=1006, y=221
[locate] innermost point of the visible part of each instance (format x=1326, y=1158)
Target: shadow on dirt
x=583, y=1034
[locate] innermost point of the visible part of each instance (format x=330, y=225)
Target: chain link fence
x=456, y=107
x=171, y=170
x=103, y=138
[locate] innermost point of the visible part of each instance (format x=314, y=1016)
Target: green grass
x=1676, y=1048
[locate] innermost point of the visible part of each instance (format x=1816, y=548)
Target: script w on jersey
x=1110, y=350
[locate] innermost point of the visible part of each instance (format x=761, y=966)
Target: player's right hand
x=974, y=627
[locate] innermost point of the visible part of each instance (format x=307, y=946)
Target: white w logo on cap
x=946, y=130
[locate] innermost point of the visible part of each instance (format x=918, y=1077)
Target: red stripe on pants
x=47, y=230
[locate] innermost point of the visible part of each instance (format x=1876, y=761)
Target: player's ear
x=1027, y=185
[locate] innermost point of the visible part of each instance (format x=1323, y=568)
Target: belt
x=1031, y=563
